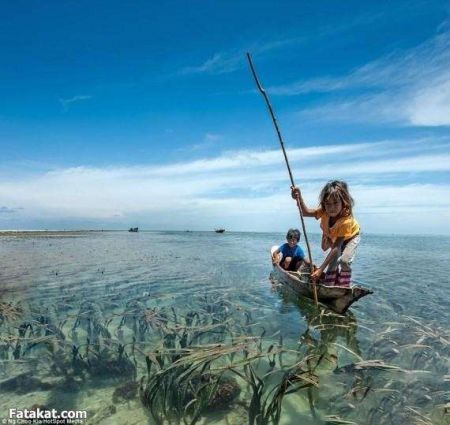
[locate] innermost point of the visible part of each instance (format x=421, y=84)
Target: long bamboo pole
x=280, y=138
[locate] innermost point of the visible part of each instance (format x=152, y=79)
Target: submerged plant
x=9, y=312
x=266, y=402
x=182, y=384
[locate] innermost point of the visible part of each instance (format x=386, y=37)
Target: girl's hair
x=339, y=189
x=293, y=233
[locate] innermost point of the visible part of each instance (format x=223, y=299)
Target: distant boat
x=133, y=229
x=220, y=230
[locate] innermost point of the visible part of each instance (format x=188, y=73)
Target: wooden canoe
x=337, y=298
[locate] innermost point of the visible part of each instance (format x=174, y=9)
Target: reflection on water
x=140, y=328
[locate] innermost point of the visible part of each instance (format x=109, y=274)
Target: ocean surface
x=186, y=327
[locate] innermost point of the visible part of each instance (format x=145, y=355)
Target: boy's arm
x=303, y=260
x=297, y=195
x=335, y=251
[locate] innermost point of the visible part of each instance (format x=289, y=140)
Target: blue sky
x=144, y=113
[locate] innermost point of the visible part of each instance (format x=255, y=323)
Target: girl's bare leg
x=345, y=262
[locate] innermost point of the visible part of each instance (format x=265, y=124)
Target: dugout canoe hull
x=338, y=299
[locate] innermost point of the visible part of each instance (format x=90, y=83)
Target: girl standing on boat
x=340, y=231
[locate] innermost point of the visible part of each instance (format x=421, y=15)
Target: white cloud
x=409, y=86
x=371, y=108
x=212, y=137
x=234, y=59
x=431, y=105
x=242, y=190
x=219, y=63
x=210, y=140
x=66, y=103
x=230, y=61
x=242, y=159
x=400, y=68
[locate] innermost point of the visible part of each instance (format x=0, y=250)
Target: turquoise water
x=85, y=311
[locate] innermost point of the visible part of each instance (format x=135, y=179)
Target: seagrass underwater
x=113, y=322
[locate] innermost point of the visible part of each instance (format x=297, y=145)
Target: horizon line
x=4, y=231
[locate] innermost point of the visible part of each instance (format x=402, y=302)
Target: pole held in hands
x=280, y=138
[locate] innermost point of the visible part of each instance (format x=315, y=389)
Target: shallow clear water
x=76, y=302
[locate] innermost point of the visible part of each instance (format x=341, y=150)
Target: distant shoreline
x=74, y=233
x=47, y=233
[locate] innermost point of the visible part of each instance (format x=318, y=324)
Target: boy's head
x=293, y=236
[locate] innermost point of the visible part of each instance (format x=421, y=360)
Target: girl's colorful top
x=345, y=227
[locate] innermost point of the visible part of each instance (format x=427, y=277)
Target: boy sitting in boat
x=292, y=256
